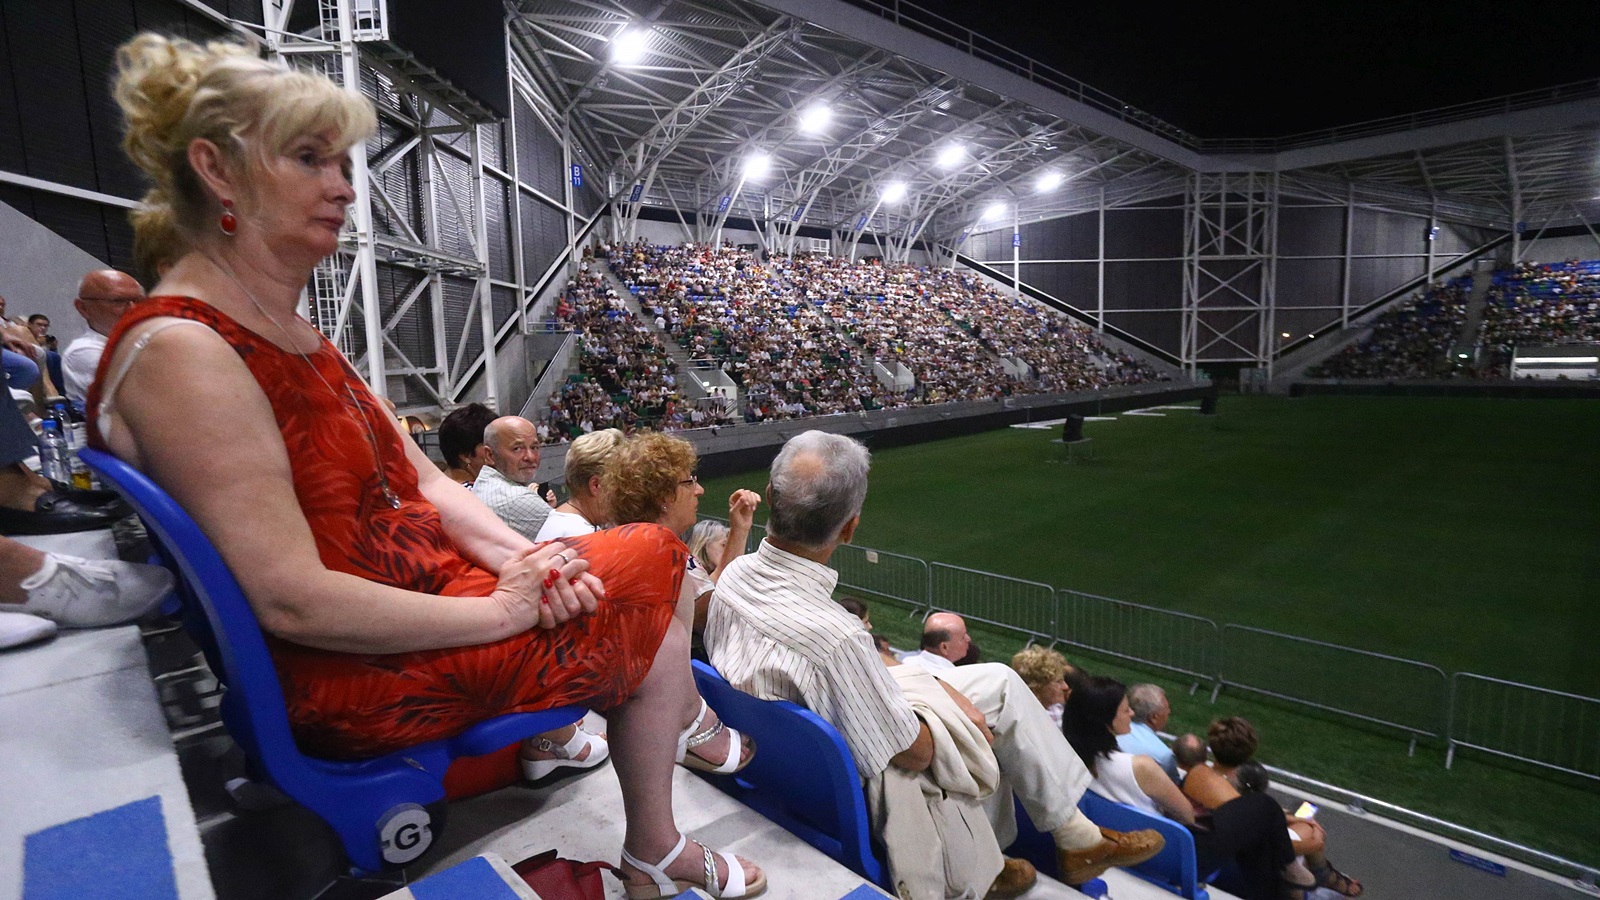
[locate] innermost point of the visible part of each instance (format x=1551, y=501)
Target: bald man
x=944, y=642
x=507, y=484
x=103, y=296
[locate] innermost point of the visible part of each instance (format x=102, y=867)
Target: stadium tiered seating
x=1410, y=341
x=627, y=378
x=801, y=334
x=1541, y=304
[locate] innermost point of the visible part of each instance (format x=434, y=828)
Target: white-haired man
x=506, y=485
x=775, y=632
x=1150, y=712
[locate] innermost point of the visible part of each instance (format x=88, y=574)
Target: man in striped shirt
x=774, y=631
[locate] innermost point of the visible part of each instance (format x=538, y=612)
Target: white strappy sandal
x=739, y=755
x=566, y=754
x=663, y=886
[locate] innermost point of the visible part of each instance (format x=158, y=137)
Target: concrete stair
x=1477, y=303
x=686, y=383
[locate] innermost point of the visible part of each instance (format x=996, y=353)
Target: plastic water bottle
x=54, y=453
x=73, y=435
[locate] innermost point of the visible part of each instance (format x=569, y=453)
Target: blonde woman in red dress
x=398, y=608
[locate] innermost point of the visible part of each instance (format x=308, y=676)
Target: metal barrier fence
x=889, y=575
x=1373, y=687
x=1535, y=725
x=1547, y=728
x=1025, y=606
x=1179, y=642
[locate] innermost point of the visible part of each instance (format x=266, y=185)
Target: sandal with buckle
x=1338, y=882
x=694, y=736
x=663, y=886
x=566, y=754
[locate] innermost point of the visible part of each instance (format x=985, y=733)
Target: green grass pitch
x=1462, y=533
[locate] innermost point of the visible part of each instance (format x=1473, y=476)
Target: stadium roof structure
x=720, y=80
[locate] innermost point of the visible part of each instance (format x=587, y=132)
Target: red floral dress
x=355, y=705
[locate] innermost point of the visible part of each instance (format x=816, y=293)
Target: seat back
x=1174, y=868
x=802, y=776
x=253, y=707
x=385, y=811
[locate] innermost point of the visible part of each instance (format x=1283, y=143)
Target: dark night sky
x=1244, y=69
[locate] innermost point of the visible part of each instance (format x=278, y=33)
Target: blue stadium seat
x=802, y=777
x=386, y=811
x=1174, y=868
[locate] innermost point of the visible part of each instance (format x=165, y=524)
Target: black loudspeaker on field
x=1072, y=428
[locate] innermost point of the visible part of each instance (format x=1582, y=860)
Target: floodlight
x=1049, y=180
x=1285, y=334
x=895, y=192
x=951, y=156
x=757, y=165
x=995, y=210
x=628, y=47
x=815, y=117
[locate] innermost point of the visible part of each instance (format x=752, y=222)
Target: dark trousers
x=17, y=441
x=1252, y=833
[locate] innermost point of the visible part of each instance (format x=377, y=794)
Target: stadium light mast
x=629, y=46
x=756, y=167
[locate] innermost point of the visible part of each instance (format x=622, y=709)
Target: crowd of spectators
x=625, y=376
x=1541, y=303
x=800, y=335
x=1412, y=340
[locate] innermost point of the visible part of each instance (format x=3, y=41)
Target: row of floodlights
x=629, y=47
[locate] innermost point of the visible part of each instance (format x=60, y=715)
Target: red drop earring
x=228, y=223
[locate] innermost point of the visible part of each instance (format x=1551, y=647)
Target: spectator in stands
x=775, y=631
x=24, y=361
x=1044, y=671
x=1233, y=743
x=650, y=478
x=360, y=558
x=584, y=512
x=1188, y=751
x=1247, y=830
x=707, y=540
x=41, y=590
x=1150, y=713
x=944, y=642
x=103, y=296
x=461, y=443
x=507, y=484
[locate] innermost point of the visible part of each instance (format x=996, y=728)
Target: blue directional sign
x=638, y=189
x=1016, y=239
x=726, y=201
x=577, y=175
x=796, y=216
x=863, y=223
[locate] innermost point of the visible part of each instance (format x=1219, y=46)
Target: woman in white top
x=584, y=511
x=1248, y=830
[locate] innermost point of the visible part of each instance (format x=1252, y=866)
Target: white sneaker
x=87, y=593
x=18, y=628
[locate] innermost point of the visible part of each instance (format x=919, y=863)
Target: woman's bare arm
x=1157, y=786
x=220, y=455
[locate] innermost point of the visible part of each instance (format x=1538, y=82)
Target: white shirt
x=78, y=363
x=515, y=503
x=564, y=524
x=774, y=631
x=930, y=660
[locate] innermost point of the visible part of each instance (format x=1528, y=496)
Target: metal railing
x=1025, y=606
x=1178, y=642
x=903, y=579
x=1373, y=687
x=1547, y=728
x=1535, y=725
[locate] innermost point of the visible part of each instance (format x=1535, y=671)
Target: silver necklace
x=372, y=438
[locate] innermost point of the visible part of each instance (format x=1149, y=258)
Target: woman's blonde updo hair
x=172, y=91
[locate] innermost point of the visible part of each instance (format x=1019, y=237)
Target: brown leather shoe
x=1118, y=848
x=1017, y=876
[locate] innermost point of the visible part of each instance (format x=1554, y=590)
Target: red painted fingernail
x=573, y=582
